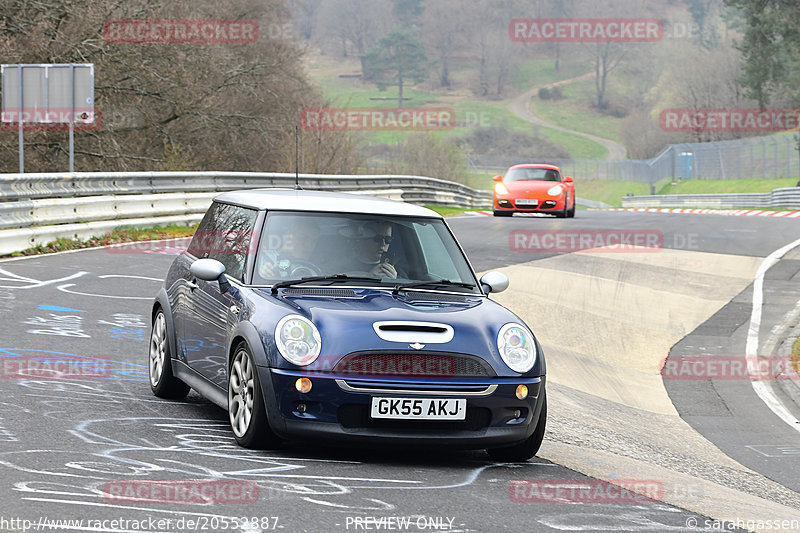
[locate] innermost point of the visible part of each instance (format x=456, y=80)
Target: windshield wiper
x=331, y=279
x=435, y=283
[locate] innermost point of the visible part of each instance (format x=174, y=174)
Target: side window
x=225, y=234
x=199, y=247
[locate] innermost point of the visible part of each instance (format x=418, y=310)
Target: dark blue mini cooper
x=347, y=318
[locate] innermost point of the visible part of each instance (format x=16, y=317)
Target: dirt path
x=519, y=106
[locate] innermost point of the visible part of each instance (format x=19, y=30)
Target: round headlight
x=517, y=347
x=555, y=191
x=298, y=340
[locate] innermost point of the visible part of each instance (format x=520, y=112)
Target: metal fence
x=773, y=156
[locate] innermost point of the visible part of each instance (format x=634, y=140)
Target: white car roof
x=316, y=201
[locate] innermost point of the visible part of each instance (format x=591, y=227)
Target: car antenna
x=297, y=186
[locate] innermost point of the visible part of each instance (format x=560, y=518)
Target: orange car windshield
x=531, y=174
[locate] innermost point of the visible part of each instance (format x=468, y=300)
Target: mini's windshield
x=389, y=250
x=532, y=174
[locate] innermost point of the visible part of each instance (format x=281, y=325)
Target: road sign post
x=48, y=93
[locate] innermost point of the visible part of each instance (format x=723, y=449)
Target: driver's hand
x=384, y=270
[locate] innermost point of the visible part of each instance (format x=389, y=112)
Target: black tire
x=250, y=430
x=162, y=382
x=502, y=213
x=571, y=212
x=563, y=213
x=526, y=449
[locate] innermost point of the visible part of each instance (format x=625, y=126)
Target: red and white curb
x=729, y=212
x=694, y=211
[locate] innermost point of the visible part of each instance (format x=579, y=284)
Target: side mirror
x=494, y=281
x=210, y=270
x=497, y=178
x=568, y=179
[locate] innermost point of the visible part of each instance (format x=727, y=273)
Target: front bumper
x=530, y=205
x=337, y=409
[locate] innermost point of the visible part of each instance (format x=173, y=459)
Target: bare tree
x=355, y=25
x=444, y=32
x=496, y=55
x=173, y=105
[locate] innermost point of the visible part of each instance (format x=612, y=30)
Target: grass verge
x=119, y=235
x=796, y=355
x=610, y=191
x=449, y=211
x=575, y=112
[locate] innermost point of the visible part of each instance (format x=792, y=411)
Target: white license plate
x=526, y=202
x=419, y=408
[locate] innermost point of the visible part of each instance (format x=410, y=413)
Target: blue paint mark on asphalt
x=57, y=308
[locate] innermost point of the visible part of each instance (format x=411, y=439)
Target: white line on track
x=761, y=388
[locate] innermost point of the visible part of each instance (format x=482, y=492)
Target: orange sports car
x=533, y=188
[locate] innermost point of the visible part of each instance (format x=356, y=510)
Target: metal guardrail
x=29, y=186
x=784, y=197
x=40, y=208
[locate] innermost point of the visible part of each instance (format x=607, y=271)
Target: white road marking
x=760, y=387
x=32, y=283
x=66, y=286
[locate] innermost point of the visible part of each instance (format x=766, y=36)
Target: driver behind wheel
x=369, y=249
x=291, y=259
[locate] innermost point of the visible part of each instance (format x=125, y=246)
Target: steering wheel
x=301, y=269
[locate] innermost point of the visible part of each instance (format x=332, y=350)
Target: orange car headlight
x=499, y=188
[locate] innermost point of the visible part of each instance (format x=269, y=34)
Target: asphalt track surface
x=66, y=444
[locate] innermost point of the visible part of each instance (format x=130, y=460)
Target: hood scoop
x=404, y=331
